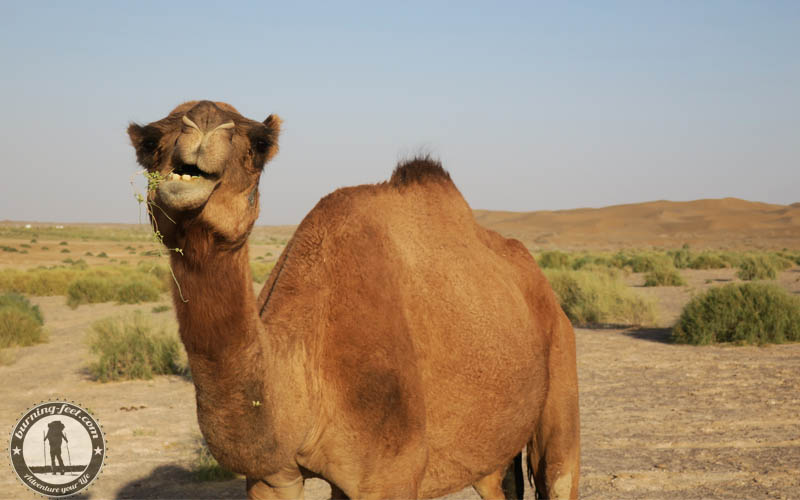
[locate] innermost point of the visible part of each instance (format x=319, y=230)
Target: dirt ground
x=658, y=420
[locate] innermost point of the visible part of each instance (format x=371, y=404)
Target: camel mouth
x=186, y=169
x=186, y=187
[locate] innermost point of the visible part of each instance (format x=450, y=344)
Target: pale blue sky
x=529, y=105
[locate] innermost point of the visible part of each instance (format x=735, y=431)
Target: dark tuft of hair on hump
x=420, y=169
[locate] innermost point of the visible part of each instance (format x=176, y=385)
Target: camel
x=397, y=350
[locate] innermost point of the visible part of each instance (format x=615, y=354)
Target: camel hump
x=419, y=170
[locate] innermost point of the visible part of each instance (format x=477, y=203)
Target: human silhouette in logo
x=55, y=433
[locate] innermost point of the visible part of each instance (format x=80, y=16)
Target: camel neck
x=215, y=303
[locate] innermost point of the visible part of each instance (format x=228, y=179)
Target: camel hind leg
x=505, y=483
x=554, y=463
x=554, y=448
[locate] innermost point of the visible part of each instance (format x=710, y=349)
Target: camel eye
x=261, y=145
x=150, y=145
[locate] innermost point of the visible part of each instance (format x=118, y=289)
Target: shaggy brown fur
x=398, y=349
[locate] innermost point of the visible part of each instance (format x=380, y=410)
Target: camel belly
x=482, y=401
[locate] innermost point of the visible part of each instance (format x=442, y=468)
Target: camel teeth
x=173, y=176
x=186, y=177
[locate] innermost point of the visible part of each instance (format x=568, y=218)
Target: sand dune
x=719, y=223
x=727, y=223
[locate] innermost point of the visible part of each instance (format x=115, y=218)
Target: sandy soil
x=658, y=420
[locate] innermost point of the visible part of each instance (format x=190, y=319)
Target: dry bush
x=744, y=313
x=599, y=298
x=261, y=270
x=20, y=322
x=757, y=268
x=133, y=347
x=665, y=276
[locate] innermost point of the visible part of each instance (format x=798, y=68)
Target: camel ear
x=273, y=124
x=145, y=141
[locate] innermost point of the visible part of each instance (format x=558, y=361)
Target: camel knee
x=258, y=489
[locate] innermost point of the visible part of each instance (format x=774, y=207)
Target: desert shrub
x=77, y=263
x=25, y=245
x=45, y=248
x=103, y=255
x=553, y=260
x=83, y=285
x=593, y=261
x=745, y=313
x=708, y=260
x=640, y=262
x=8, y=249
x=599, y=298
x=19, y=301
x=206, y=467
x=89, y=254
x=681, y=257
x=160, y=309
x=39, y=281
x=138, y=290
x=63, y=243
x=664, y=276
x=261, y=270
x=65, y=250
x=779, y=262
x=20, y=321
x=756, y=268
x=792, y=256
x=132, y=347
x=89, y=290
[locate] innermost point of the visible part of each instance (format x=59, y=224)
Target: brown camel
x=398, y=349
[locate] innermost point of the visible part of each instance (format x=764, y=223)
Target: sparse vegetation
x=743, y=313
x=664, y=276
x=206, y=467
x=757, y=268
x=160, y=309
x=103, y=255
x=599, y=298
x=138, y=290
x=124, y=289
x=132, y=347
x=708, y=260
x=65, y=250
x=83, y=284
x=682, y=257
x=261, y=270
x=20, y=321
x=554, y=260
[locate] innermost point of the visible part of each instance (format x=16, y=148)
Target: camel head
x=206, y=160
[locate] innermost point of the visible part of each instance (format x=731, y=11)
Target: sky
x=529, y=105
